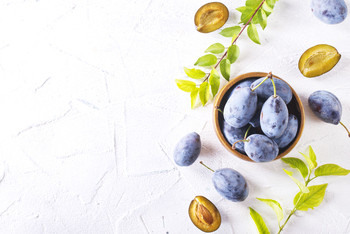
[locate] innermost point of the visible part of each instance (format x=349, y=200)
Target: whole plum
x=329, y=11
x=255, y=121
x=187, y=149
x=274, y=117
x=230, y=184
x=326, y=106
x=240, y=107
x=260, y=148
x=235, y=134
x=265, y=90
x=242, y=84
x=290, y=132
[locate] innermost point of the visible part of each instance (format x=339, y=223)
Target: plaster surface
x=91, y=114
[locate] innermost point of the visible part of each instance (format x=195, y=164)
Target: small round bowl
x=295, y=107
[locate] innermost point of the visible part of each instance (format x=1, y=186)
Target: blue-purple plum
x=274, y=117
x=187, y=150
x=265, y=90
x=240, y=107
x=260, y=148
x=235, y=134
x=255, y=121
x=290, y=132
x=329, y=11
x=230, y=184
x=326, y=106
x=243, y=84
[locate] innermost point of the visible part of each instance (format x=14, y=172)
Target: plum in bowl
x=221, y=127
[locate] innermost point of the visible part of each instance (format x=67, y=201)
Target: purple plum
x=187, y=150
x=230, y=184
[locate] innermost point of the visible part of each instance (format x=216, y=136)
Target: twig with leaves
x=254, y=12
x=309, y=197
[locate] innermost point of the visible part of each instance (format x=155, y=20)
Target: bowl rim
x=222, y=93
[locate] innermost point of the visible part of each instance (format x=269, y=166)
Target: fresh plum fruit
x=255, y=121
x=187, y=150
x=260, y=148
x=274, y=117
x=326, y=106
x=240, y=107
x=242, y=84
x=265, y=90
x=210, y=17
x=230, y=184
x=318, y=60
x=329, y=11
x=235, y=134
x=204, y=214
x=290, y=132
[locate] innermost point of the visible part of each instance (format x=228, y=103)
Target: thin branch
x=240, y=32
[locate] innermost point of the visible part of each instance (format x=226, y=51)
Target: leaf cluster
x=255, y=12
x=308, y=197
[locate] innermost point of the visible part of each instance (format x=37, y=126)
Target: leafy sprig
x=308, y=197
x=255, y=12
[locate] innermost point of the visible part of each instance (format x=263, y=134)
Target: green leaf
x=233, y=53
x=194, y=73
x=215, y=73
x=225, y=69
x=206, y=60
x=253, y=33
x=301, y=186
x=275, y=206
x=194, y=96
x=233, y=38
x=312, y=156
x=214, y=81
x=185, y=85
x=255, y=19
x=331, y=169
x=298, y=164
x=311, y=162
x=253, y=3
x=246, y=15
x=241, y=9
x=267, y=8
x=230, y=31
x=305, y=201
x=271, y=3
x=259, y=222
x=262, y=19
x=216, y=48
x=204, y=93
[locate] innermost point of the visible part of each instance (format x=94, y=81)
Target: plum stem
x=274, y=86
x=345, y=128
x=234, y=144
x=246, y=133
x=234, y=41
x=206, y=166
x=267, y=77
x=217, y=108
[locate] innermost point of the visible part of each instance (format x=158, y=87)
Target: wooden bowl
x=295, y=107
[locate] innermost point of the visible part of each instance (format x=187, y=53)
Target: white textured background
x=91, y=113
